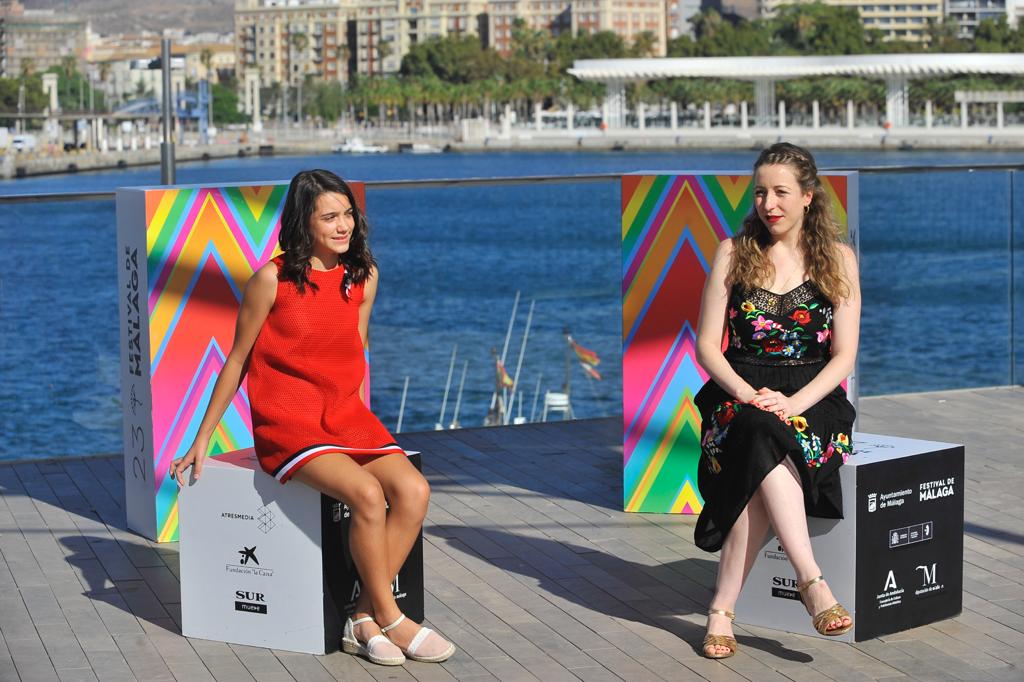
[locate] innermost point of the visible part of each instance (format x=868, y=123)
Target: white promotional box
x=895, y=560
x=267, y=565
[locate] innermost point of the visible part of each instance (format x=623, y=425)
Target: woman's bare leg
x=739, y=552
x=408, y=494
x=783, y=498
x=340, y=477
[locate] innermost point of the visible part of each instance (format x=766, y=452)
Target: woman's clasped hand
x=775, y=402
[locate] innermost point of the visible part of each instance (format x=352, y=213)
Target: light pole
x=167, y=170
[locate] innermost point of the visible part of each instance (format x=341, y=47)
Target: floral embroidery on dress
x=810, y=444
x=777, y=330
x=792, y=328
x=711, y=444
x=770, y=337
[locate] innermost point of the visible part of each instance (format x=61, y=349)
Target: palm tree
x=384, y=50
x=343, y=54
x=299, y=41
x=644, y=45
x=206, y=59
x=104, y=74
x=68, y=67
x=412, y=94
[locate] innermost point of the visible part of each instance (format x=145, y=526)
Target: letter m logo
x=928, y=576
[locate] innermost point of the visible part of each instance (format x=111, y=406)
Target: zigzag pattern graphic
x=203, y=244
x=671, y=226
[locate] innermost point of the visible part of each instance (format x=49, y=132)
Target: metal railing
x=434, y=183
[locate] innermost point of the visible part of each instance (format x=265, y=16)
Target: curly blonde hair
x=819, y=237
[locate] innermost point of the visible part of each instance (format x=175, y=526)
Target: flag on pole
x=503, y=378
x=585, y=355
x=590, y=371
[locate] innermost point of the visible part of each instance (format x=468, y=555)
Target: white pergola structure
x=896, y=69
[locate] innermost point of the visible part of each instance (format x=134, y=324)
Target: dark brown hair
x=297, y=243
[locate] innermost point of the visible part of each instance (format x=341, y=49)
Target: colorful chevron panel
x=202, y=244
x=671, y=226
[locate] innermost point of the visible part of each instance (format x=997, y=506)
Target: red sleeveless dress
x=305, y=370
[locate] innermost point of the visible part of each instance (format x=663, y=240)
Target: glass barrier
x=1016, y=293
x=935, y=269
x=451, y=262
x=59, y=347
x=942, y=270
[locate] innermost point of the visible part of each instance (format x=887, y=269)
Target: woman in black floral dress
x=776, y=421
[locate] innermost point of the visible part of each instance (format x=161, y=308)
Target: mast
x=496, y=414
x=536, y=394
x=401, y=409
x=439, y=426
x=567, y=384
x=508, y=334
x=499, y=390
x=458, y=398
x=519, y=363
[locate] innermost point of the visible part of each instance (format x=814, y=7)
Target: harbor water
x=936, y=262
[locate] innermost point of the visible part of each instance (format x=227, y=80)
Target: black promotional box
x=896, y=558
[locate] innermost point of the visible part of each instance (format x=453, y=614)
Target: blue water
x=934, y=257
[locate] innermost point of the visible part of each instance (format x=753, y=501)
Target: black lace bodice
x=766, y=328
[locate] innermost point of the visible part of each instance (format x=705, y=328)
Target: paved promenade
x=531, y=568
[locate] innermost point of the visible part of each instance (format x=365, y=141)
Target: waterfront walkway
x=531, y=568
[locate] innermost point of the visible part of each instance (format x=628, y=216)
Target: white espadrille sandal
x=426, y=647
x=379, y=649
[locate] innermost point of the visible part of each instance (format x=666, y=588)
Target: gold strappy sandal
x=720, y=640
x=832, y=613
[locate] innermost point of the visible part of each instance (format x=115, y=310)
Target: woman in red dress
x=300, y=337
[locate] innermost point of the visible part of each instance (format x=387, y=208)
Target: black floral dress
x=780, y=341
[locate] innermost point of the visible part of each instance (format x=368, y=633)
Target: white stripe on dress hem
x=304, y=456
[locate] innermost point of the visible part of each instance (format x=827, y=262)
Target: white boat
x=355, y=145
x=419, y=148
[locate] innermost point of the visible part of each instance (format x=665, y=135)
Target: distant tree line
x=817, y=29
x=74, y=91
x=453, y=77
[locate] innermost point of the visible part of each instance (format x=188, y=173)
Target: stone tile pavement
x=531, y=568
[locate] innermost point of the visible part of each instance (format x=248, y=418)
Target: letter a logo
x=890, y=582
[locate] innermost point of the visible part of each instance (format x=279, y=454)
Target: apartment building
x=969, y=13
x=1014, y=12
x=625, y=18
x=38, y=39
x=896, y=19
x=383, y=31
x=286, y=40
x=330, y=39
x=549, y=16
x=678, y=14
